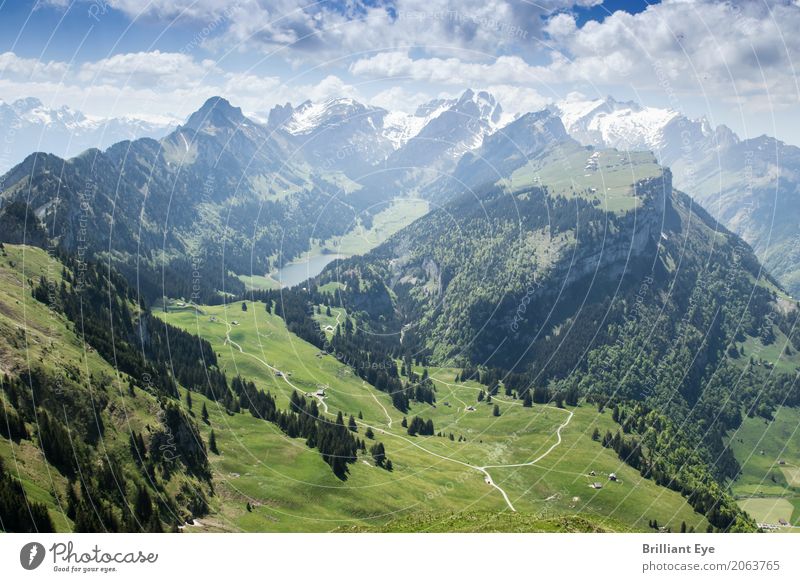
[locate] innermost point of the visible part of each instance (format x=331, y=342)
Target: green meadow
x=768, y=452
x=288, y=487
x=604, y=176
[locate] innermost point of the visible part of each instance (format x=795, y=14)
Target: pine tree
x=527, y=402
x=144, y=506
x=188, y=399
x=389, y=466
x=596, y=434
x=351, y=424
x=244, y=306
x=496, y=410
x=204, y=414
x=378, y=453
x=404, y=422
x=212, y=443
x=369, y=434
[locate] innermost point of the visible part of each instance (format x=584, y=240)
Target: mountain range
x=750, y=185
x=561, y=273
x=28, y=126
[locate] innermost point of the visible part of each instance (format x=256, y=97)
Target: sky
x=732, y=62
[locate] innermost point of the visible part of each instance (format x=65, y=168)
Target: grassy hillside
x=768, y=451
x=289, y=488
x=75, y=386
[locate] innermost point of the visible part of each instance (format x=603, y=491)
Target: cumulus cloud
x=743, y=51
x=148, y=69
x=398, y=98
x=13, y=65
x=451, y=71
x=318, y=30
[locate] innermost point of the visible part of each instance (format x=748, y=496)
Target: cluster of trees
x=664, y=452
x=17, y=512
x=418, y=426
x=336, y=441
x=378, y=453
x=101, y=306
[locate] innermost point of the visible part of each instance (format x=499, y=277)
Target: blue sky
x=733, y=63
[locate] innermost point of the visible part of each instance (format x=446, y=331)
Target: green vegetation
x=364, y=236
x=601, y=176
x=484, y=522
x=768, y=452
x=664, y=333
x=396, y=215
x=60, y=397
x=279, y=476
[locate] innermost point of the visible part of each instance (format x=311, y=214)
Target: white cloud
x=13, y=65
x=399, y=99
x=147, y=69
x=321, y=30
x=743, y=52
x=451, y=71
x=517, y=100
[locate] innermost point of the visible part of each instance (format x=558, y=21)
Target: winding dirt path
x=271, y=368
x=481, y=469
x=386, y=412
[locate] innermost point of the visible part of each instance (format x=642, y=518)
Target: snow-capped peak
x=309, y=116
x=400, y=127
x=612, y=123
x=65, y=131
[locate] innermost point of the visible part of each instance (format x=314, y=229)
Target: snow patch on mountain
x=611, y=123
x=32, y=126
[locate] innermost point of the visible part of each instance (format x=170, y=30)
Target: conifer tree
x=212, y=443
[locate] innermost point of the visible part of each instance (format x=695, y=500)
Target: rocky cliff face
x=636, y=237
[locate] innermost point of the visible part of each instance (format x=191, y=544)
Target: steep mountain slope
x=337, y=135
x=372, y=145
x=459, y=128
x=216, y=195
x=29, y=126
x=751, y=185
x=647, y=303
x=92, y=436
x=522, y=142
